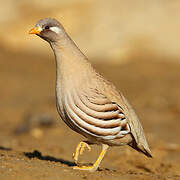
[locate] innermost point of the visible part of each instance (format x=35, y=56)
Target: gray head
x=49, y=29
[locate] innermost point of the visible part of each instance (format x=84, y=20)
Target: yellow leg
x=80, y=149
x=97, y=163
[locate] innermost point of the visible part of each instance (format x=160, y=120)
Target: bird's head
x=48, y=29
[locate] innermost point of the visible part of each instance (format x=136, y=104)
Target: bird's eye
x=46, y=27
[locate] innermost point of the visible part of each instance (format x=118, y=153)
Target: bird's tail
x=140, y=148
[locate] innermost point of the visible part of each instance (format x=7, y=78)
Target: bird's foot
x=98, y=161
x=80, y=149
x=86, y=168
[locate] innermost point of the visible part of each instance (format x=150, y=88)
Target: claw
x=80, y=149
x=83, y=146
x=98, y=161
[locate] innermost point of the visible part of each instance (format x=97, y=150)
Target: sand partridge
x=86, y=101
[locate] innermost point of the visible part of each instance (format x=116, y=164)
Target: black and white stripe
x=96, y=116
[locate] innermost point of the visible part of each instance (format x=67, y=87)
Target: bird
x=87, y=102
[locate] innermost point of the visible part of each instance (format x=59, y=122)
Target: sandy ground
x=36, y=144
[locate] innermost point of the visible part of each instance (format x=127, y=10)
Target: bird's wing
x=137, y=131
x=103, y=112
x=95, y=114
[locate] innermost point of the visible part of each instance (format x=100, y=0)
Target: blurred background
x=135, y=44
x=112, y=30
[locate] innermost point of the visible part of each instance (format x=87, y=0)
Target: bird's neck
x=71, y=63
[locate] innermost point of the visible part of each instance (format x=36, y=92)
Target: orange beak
x=35, y=30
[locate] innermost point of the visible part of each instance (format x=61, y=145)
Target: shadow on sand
x=37, y=154
x=5, y=148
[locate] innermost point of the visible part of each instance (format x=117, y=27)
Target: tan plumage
x=87, y=103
